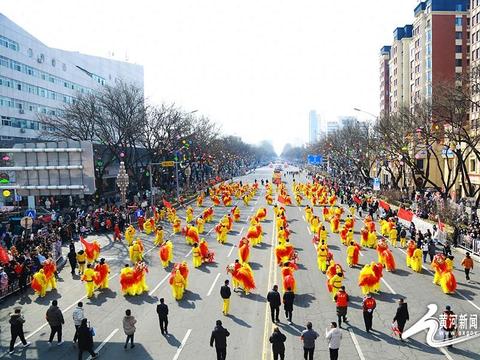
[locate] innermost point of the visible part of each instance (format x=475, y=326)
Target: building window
x=54, y=62
x=30, y=53
x=420, y=164
x=458, y=21
x=473, y=165
x=458, y=48
x=458, y=62
x=458, y=35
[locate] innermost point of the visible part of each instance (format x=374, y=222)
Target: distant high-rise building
x=332, y=126
x=313, y=127
x=347, y=120
x=400, y=68
x=385, y=80
x=38, y=80
x=475, y=61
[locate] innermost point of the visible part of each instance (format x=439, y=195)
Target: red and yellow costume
x=49, y=269
x=177, y=225
x=288, y=279
x=88, y=277
x=196, y=256
x=136, y=251
x=412, y=246
x=159, y=234
x=39, y=283
x=243, y=250
x=200, y=225
x=166, y=253
x=191, y=234
x=207, y=255
x=149, y=226
x=92, y=250
x=261, y=214
x=189, y=214
x=129, y=234
x=102, y=270
x=236, y=213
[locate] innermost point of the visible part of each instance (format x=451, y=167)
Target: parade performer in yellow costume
x=129, y=234
x=326, y=214
x=261, y=214
x=282, y=236
x=159, y=234
x=314, y=224
x=92, y=250
x=200, y=225
x=39, y=283
x=222, y=231
x=191, y=234
x=298, y=199
x=288, y=279
x=208, y=256
x=378, y=271
x=189, y=214
x=367, y=279
x=245, y=278
x=393, y=235
x=227, y=199
x=140, y=274
x=82, y=260
x=149, y=226
x=102, y=270
x=208, y=215
x=416, y=261
x=410, y=250
x=372, y=239
x=200, y=199
x=49, y=269
x=88, y=277
x=334, y=224
x=308, y=214
x=166, y=253
x=322, y=253
x=269, y=199
x=336, y=283
x=236, y=213
x=364, y=236
x=353, y=251
x=254, y=234
x=177, y=225
x=177, y=281
x=343, y=236
x=323, y=234
x=136, y=251
x=127, y=280
x=243, y=250
x=196, y=256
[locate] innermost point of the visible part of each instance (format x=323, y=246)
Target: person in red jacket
x=369, y=304
x=341, y=299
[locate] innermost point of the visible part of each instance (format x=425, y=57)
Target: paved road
x=192, y=319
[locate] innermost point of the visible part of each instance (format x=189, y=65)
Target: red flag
x=357, y=200
x=441, y=225
x=4, y=258
x=406, y=215
x=384, y=205
x=167, y=204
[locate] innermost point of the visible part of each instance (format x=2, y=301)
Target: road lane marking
x=266, y=343
x=187, y=254
x=389, y=287
x=231, y=250
x=213, y=285
x=107, y=339
x=180, y=348
x=159, y=284
x=309, y=231
x=356, y=343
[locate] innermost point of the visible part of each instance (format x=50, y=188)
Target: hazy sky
x=254, y=66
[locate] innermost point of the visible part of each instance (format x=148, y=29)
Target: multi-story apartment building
x=399, y=68
x=313, y=127
x=475, y=59
x=36, y=79
x=440, y=46
x=385, y=80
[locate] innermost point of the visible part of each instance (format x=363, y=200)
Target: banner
x=167, y=204
x=406, y=215
x=384, y=205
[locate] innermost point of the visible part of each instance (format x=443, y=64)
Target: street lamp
x=122, y=182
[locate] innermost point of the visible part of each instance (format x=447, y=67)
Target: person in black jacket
x=273, y=298
x=162, y=311
x=288, y=298
x=85, y=340
x=72, y=258
x=219, y=337
x=16, y=329
x=401, y=317
x=277, y=339
x=225, y=293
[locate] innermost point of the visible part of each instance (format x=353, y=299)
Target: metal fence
x=469, y=243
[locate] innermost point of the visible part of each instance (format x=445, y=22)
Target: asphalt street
x=193, y=318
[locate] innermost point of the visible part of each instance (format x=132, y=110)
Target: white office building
x=332, y=127
x=36, y=79
x=314, y=130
